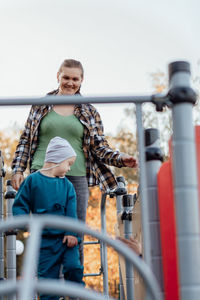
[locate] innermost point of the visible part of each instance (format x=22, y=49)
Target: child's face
x=64, y=166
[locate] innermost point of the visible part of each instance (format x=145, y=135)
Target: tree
x=163, y=120
x=8, y=142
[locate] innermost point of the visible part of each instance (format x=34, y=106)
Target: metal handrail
x=8, y=287
x=54, y=99
x=37, y=223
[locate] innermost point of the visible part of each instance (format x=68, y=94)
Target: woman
x=81, y=125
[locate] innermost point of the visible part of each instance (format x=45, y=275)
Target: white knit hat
x=59, y=150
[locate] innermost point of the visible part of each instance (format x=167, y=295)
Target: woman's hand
x=17, y=180
x=70, y=240
x=133, y=244
x=129, y=161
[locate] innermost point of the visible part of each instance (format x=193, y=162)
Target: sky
x=119, y=42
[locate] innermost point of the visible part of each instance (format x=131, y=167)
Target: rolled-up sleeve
x=22, y=153
x=99, y=145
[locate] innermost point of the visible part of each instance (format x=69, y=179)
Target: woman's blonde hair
x=71, y=63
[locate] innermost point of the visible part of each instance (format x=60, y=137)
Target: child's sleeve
x=21, y=205
x=71, y=206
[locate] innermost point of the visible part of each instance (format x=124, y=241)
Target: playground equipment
x=28, y=286
x=154, y=158
x=2, y=174
x=127, y=220
x=118, y=193
x=103, y=248
x=10, y=238
x=181, y=99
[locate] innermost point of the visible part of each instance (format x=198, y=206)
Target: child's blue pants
x=53, y=254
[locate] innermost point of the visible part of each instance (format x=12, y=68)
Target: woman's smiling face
x=69, y=80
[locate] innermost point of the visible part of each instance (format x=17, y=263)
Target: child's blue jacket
x=40, y=194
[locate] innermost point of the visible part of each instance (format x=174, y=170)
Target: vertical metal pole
x=127, y=220
x=2, y=174
x=121, y=190
x=104, y=260
x=143, y=187
x=185, y=180
x=10, y=238
x=154, y=160
x=27, y=288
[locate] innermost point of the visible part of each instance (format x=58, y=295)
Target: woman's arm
x=101, y=149
x=21, y=157
x=19, y=163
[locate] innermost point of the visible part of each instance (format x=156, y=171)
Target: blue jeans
x=82, y=193
x=53, y=254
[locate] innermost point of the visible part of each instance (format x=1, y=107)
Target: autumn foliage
x=8, y=143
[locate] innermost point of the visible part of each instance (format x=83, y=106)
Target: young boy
x=48, y=191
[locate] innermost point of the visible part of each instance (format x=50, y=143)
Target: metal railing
x=28, y=286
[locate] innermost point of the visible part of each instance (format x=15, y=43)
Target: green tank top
x=67, y=127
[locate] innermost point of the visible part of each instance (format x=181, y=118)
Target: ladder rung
x=92, y=274
x=91, y=243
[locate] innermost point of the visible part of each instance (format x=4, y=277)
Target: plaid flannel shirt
x=97, y=152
